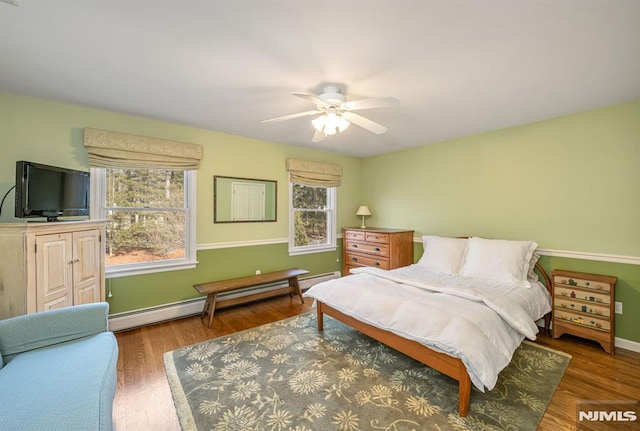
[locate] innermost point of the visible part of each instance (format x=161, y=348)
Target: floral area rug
x=286, y=376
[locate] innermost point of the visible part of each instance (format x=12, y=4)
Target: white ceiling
x=458, y=67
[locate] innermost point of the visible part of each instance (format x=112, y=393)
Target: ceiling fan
x=335, y=113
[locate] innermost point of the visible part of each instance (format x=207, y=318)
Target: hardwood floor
x=143, y=400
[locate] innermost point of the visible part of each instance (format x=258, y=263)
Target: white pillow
x=499, y=260
x=442, y=254
x=531, y=275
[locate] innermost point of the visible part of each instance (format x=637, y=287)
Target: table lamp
x=363, y=211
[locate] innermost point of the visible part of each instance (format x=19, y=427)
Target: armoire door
x=87, y=284
x=54, y=271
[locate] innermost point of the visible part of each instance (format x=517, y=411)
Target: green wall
x=570, y=183
x=50, y=132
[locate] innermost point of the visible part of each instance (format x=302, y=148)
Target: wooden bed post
x=464, y=391
x=320, y=316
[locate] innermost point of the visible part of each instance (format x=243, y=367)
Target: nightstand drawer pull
x=376, y=263
x=354, y=245
x=355, y=259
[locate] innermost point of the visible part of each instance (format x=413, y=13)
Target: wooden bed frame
x=448, y=365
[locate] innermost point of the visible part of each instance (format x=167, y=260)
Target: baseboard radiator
x=190, y=307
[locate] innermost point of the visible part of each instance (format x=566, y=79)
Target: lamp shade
x=363, y=210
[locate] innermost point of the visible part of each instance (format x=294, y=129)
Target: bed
x=462, y=309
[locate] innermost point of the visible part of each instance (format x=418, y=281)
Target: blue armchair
x=58, y=370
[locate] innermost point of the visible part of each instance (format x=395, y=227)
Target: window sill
x=116, y=272
x=322, y=249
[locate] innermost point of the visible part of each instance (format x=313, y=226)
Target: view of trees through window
x=145, y=209
x=310, y=212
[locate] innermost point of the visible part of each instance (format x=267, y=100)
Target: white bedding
x=480, y=322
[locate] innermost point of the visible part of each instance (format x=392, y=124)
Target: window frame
x=332, y=200
x=99, y=211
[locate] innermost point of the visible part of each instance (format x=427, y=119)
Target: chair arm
x=32, y=331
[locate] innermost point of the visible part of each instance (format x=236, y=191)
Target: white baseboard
x=627, y=344
x=192, y=307
x=149, y=316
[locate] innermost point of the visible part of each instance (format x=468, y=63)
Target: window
x=150, y=217
x=312, y=219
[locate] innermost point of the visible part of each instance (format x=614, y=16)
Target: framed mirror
x=244, y=200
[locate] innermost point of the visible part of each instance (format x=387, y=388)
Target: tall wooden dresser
x=583, y=305
x=377, y=247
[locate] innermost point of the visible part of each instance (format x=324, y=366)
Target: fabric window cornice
x=314, y=173
x=121, y=150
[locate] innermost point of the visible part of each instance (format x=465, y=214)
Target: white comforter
x=480, y=322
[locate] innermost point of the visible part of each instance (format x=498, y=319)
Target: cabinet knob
x=355, y=246
x=377, y=263
x=355, y=259
x=377, y=249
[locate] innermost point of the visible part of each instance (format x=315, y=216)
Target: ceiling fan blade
x=317, y=137
x=291, y=116
x=365, y=123
x=312, y=98
x=380, y=102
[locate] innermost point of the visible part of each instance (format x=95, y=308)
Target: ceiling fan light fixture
x=331, y=120
x=330, y=131
x=342, y=123
x=330, y=123
x=319, y=123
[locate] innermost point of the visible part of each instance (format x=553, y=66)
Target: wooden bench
x=212, y=289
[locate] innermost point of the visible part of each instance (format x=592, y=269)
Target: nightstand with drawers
x=583, y=305
x=377, y=247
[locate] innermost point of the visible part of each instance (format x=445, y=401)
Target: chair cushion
x=67, y=386
x=32, y=331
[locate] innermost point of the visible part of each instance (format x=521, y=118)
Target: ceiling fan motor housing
x=332, y=95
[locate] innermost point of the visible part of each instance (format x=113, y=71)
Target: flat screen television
x=50, y=191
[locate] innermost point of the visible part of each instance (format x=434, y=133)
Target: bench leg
x=209, y=308
x=295, y=287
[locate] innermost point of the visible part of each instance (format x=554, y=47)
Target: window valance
x=122, y=150
x=314, y=173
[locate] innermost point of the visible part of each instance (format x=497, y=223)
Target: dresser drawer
x=567, y=292
x=568, y=304
x=376, y=237
x=578, y=282
x=354, y=235
x=588, y=321
x=363, y=260
x=364, y=247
